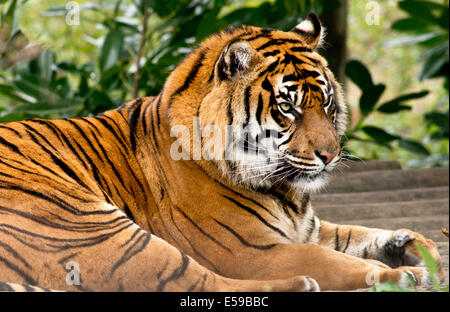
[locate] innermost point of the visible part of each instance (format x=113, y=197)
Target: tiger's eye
x=285, y=107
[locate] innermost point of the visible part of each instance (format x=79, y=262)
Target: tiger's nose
x=325, y=156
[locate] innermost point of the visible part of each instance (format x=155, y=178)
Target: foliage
x=430, y=263
x=428, y=23
x=369, y=103
x=135, y=56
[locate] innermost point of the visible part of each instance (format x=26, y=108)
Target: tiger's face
x=285, y=107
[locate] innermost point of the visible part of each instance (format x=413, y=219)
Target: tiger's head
x=279, y=108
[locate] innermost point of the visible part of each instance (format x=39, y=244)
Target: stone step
x=358, y=166
x=338, y=213
x=387, y=180
x=416, y=224
x=380, y=196
x=443, y=249
x=435, y=235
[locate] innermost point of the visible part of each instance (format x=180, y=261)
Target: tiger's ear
x=311, y=30
x=235, y=60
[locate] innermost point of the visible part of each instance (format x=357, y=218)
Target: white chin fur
x=263, y=179
x=312, y=186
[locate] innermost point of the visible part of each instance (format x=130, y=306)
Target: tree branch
x=137, y=74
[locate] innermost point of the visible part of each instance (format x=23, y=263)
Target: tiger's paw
x=298, y=283
x=311, y=284
x=406, y=276
x=401, y=250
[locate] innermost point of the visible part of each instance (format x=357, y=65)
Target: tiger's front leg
x=332, y=270
x=393, y=248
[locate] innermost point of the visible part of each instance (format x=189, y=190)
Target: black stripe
x=5, y=287
x=105, y=156
x=192, y=74
x=127, y=211
x=133, y=119
x=253, y=212
x=259, y=109
x=300, y=49
x=117, y=126
x=277, y=42
x=12, y=130
x=269, y=68
x=304, y=203
x=348, y=240
x=230, y=110
x=132, y=251
x=291, y=77
x=11, y=146
x=15, y=254
x=65, y=139
x=312, y=224
x=271, y=53
x=242, y=240
x=201, y=230
x=336, y=239
x=177, y=273
x=18, y=271
x=120, y=138
x=56, y=200
x=286, y=141
x=155, y=140
x=310, y=73
x=144, y=116
x=283, y=200
x=247, y=105
x=61, y=164
x=65, y=259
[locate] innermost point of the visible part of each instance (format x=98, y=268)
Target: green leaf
x=57, y=10
x=436, y=58
x=391, y=108
x=111, y=48
x=415, y=39
x=413, y=146
x=421, y=9
x=14, y=116
x=100, y=102
x=438, y=118
x=395, y=105
x=444, y=20
x=46, y=61
x=370, y=97
x=379, y=135
x=410, y=24
x=430, y=264
x=389, y=287
x=10, y=92
x=359, y=74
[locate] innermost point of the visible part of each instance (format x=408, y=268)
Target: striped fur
x=104, y=192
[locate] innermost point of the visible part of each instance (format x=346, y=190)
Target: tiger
x=114, y=195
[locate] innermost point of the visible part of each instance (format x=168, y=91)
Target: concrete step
x=417, y=224
x=338, y=213
x=388, y=180
x=348, y=166
x=443, y=249
x=380, y=196
x=435, y=235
